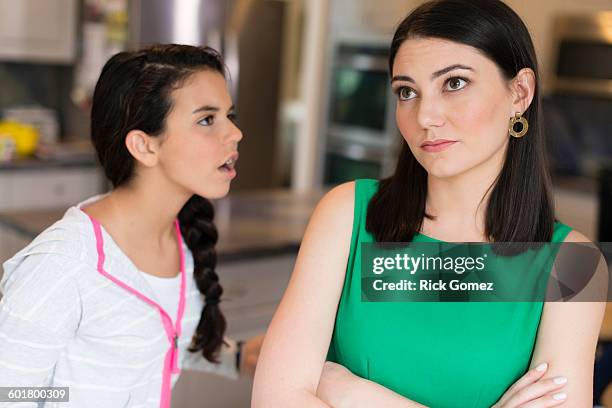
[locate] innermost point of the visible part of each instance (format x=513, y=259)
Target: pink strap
x=172, y=331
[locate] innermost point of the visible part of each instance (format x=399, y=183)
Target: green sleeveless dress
x=441, y=354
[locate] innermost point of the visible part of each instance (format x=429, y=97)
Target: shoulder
x=581, y=267
x=339, y=199
x=335, y=212
x=331, y=222
x=70, y=236
x=580, y=264
x=59, y=251
x=576, y=236
x=343, y=198
x=566, y=233
x=42, y=281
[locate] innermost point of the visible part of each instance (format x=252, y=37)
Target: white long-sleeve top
x=64, y=324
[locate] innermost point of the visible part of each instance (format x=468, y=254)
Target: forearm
x=370, y=394
x=275, y=387
x=340, y=388
x=278, y=399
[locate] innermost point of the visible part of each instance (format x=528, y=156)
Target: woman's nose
x=430, y=113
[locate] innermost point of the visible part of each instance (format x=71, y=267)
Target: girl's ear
x=523, y=90
x=143, y=147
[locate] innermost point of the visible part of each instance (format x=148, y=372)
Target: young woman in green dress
x=472, y=169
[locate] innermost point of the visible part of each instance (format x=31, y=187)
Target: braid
x=200, y=235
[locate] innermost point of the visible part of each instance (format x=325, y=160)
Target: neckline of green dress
x=428, y=238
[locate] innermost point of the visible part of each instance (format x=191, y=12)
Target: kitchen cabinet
x=251, y=292
x=48, y=187
x=42, y=188
x=38, y=31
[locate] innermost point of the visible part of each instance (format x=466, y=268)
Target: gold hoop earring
x=522, y=128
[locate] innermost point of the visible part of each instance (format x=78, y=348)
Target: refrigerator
x=249, y=35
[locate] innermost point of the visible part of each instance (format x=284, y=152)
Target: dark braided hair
x=200, y=232
x=133, y=92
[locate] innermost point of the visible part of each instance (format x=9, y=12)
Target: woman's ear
x=523, y=89
x=143, y=147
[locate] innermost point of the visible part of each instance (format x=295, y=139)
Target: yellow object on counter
x=25, y=136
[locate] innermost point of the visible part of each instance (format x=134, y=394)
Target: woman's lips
x=438, y=146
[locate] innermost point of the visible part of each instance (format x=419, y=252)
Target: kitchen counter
x=251, y=224
x=67, y=154
x=265, y=219
x=268, y=222
x=34, y=163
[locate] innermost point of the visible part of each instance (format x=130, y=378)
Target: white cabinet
x=31, y=189
x=251, y=292
x=38, y=30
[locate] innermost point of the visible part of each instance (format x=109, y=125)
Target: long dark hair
x=520, y=208
x=133, y=92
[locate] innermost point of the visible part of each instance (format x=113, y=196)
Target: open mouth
x=227, y=166
x=230, y=164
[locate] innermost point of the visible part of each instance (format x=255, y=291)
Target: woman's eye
x=455, y=83
x=207, y=121
x=232, y=117
x=404, y=93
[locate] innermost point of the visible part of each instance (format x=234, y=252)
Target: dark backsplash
x=46, y=85
x=579, y=133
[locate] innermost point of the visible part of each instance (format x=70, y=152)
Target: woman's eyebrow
x=450, y=68
x=436, y=74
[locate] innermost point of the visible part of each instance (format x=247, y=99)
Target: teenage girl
x=121, y=293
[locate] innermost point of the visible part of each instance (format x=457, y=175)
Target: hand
x=250, y=353
x=532, y=391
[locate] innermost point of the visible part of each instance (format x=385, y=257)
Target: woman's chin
x=443, y=171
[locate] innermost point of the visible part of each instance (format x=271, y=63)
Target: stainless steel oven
x=360, y=121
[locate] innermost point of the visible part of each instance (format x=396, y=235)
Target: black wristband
x=238, y=354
